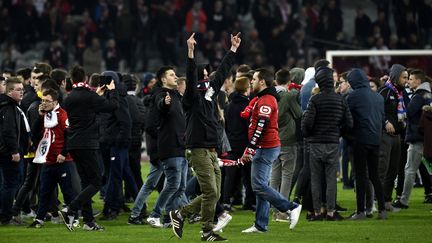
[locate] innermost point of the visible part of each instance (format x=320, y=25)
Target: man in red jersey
x=52, y=153
x=262, y=150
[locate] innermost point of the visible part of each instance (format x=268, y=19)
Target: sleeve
x=265, y=110
x=160, y=103
x=308, y=120
x=191, y=83
x=9, y=133
x=102, y=104
x=223, y=71
x=347, y=121
x=64, y=122
x=125, y=123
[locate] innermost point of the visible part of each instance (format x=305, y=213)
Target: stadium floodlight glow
x=359, y=53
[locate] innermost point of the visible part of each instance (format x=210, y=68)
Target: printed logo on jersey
x=265, y=110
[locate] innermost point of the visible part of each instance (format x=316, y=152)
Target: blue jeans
x=11, y=172
x=50, y=176
x=119, y=171
x=265, y=195
x=172, y=195
x=153, y=177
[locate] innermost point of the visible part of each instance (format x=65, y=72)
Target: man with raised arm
x=200, y=106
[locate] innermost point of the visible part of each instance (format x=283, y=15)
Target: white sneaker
x=56, y=220
x=154, y=222
x=294, y=216
x=223, y=221
x=252, y=229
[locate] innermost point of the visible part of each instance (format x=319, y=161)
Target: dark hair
x=376, y=81
x=419, y=74
x=59, y=75
x=344, y=75
x=161, y=73
x=9, y=71
x=283, y=76
x=51, y=92
x=244, y=68
x=321, y=63
x=265, y=74
x=50, y=84
x=42, y=67
x=44, y=78
x=24, y=72
x=77, y=74
x=94, y=80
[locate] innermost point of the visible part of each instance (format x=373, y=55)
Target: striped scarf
x=81, y=84
x=401, y=109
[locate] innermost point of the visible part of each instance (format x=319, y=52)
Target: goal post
x=410, y=58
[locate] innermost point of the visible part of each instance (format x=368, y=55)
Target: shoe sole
x=172, y=225
x=69, y=227
x=293, y=224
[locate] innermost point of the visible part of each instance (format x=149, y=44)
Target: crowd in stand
x=278, y=33
x=215, y=139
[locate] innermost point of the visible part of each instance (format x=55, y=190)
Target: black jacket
x=81, y=106
x=29, y=97
x=235, y=126
x=14, y=137
x=151, y=125
x=367, y=109
x=201, y=117
x=36, y=124
x=119, y=125
x=420, y=98
x=327, y=113
x=137, y=114
x=172, y=125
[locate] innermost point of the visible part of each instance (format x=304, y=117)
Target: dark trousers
x=366, y=158
x=8, y=188
x=388, y=163
x=233, y=175
x=135, y=166
x=50, y=176
x=30, y=184
x=119, y=171
x=401, y=170
x=303, y=180
x=90, y=174
x=298, y=166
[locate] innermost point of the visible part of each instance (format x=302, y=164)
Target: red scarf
x=81, y=84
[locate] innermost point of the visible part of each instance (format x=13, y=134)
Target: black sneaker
x=111, y=215
x=428, y=198
x=336, y=217
x=315, y=217
x=212, y=236
x=135, y=220
x=177, y=223
x=93, y=227
x=338, y=208
x=398, y=204
x=67, y=219
x=37, y=224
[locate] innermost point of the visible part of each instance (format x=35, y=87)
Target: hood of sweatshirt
x=357, y=79
x=324, y=78
x=395, y=72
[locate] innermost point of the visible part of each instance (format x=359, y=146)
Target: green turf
x=413, y=225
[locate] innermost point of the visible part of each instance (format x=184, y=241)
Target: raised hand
x=191, y=42
x=235, y=41
x=167, y=99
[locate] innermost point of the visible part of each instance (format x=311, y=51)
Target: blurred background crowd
x=141, y=35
